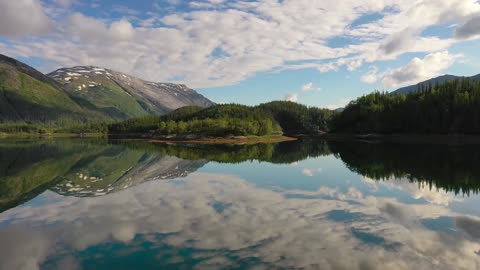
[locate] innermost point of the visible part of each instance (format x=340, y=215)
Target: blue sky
x=319, y=53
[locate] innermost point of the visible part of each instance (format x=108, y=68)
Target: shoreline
x=51, y=135
x=367, y=138
x=218, y=140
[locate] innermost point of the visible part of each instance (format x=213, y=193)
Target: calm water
x=94, y=204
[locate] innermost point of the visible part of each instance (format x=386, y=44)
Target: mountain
x=433, y=82
x=110, y=172
x=122, y=96
x=82, y=94
x=86, y=167
x=26, y=95
x=29, y=167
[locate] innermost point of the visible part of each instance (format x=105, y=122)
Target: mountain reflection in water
x=95, y=204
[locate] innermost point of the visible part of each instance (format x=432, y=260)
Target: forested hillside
x=232, y=119
x=449, y=108
x=121, y=96
x=295, y=118
x=28, y=96
x=33, y=102
x=91, y=99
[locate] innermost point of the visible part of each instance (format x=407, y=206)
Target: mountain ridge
x=433, y=82
x=84, y=94
x=29, y=96
x=131, y=94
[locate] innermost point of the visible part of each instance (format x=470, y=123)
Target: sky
x=316, y=52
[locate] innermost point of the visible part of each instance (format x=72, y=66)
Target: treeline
x=207, y=127
x=17, y=128
x=451, y=168
x=52, y=128
x=219, y=120
x=295, y=118
x=277, y=153
x=449, y=108
x=232, y=119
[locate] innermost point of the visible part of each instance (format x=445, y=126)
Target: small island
x=230, y=123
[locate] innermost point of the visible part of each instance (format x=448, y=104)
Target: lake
x=308, y=204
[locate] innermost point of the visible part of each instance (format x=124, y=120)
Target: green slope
x=28, y=96
x=107, y=97
x=81, y=95
x=28, y=167
x=231, y=119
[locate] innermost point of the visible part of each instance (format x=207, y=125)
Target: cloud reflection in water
x=224, y=214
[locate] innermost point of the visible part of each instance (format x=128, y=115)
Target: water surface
x=95, y=204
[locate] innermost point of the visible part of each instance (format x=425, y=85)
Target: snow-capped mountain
x=121, y=95
x=84, y=94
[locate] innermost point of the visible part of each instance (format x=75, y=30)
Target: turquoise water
x=95, y=204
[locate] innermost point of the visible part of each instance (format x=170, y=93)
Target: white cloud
x=123, y=30
x=400, y=41
x=258, y=222
x=307, y=172
x=340, y=104
x=417, y=191
x=23, y=17
x=207, y=4
x=311, y=172
x=307, y=86
x=371, y=76
x=216, y=1
x=209, y=47
x=310, y=87
x=64, y=3
x=88, y=30
x=471, y=28
x=291, y=97
x=419, y=69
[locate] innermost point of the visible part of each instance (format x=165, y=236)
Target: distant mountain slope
x=82, y=94
x=26, y=95
x=122, y=96
x=118, y=169
x=433, y=82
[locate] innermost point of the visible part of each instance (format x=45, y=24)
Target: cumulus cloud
x=23, y=17
x=291, y=97
x=310, y=87
x=417, y=191
x=307, y=86
x=371, y=76
x=470, y=28
x=307, y=172
x=207, y=47
x=399, y=41
x=419, y=69
x=255, y=222
x=122, y=30
x=87, y=29
x=469, y=225
x=311, y=172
